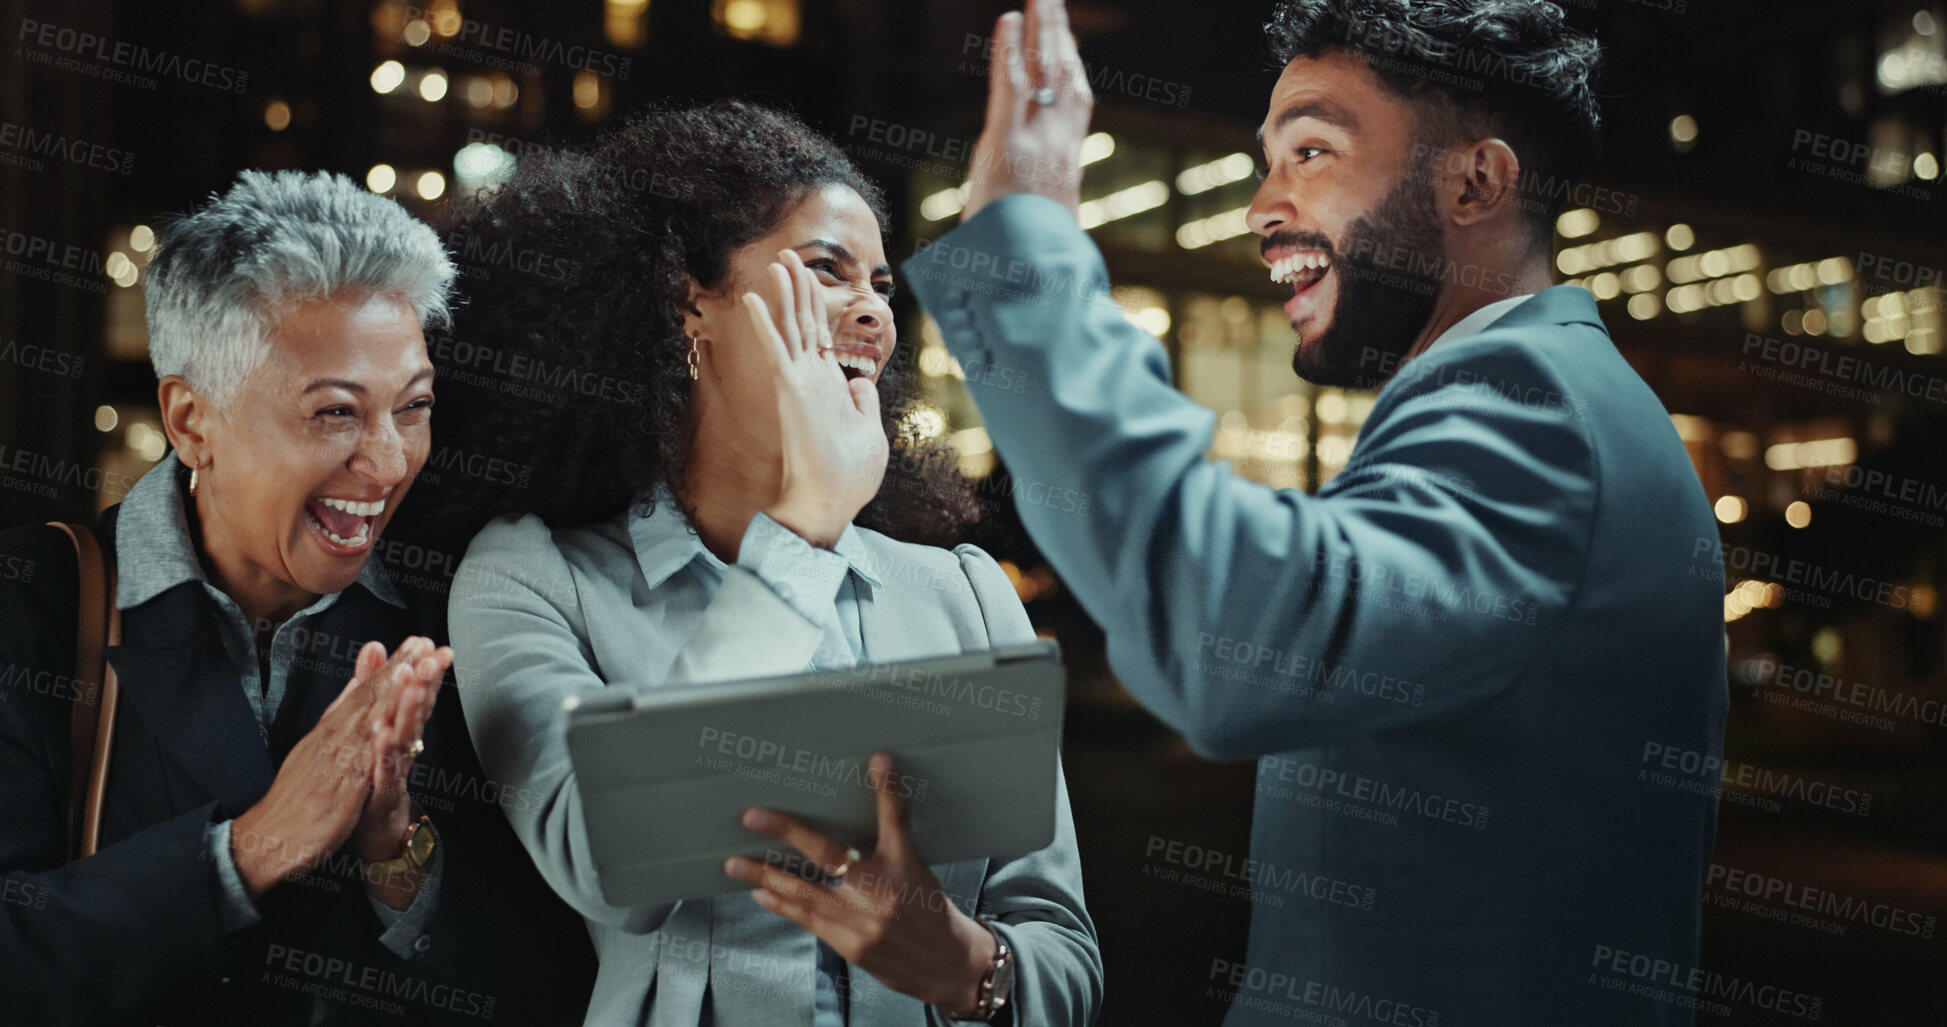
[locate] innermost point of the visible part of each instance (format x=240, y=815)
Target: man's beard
x=1388, y=283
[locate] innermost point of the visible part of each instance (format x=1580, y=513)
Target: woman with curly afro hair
x=697, y=376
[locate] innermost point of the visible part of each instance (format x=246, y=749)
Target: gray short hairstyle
x=222, y=275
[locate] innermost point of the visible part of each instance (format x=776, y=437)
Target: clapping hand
x=345, y=778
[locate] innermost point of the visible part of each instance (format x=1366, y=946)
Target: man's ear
x=187, y=417
x=1490, y=176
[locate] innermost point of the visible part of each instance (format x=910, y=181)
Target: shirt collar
x=1480, y=320
x=665, y=543
x=153, y=553
x=379, y=583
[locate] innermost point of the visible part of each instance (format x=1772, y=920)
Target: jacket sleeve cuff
x=234, y=905
x=405, y=929
x=938, y=1017
x=801, y=574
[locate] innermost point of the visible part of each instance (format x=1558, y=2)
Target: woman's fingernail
x=757, y=819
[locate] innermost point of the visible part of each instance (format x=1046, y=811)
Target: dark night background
x=1730, y=184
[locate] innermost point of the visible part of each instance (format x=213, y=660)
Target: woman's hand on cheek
x=888, y=916
x=834, y=446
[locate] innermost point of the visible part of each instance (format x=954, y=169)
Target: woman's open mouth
x=855, y=365
x=343, y=527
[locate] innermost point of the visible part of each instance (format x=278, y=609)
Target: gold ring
x=852, y=857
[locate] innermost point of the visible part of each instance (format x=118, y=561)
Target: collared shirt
x=1480, y=320
x=820, y=584
x=153, y=554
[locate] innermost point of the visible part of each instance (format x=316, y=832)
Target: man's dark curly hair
x=568, y=353
x=1472, y=68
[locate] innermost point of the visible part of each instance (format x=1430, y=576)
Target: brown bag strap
x=91, y=724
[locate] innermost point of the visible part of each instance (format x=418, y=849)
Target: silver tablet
x=666, y=773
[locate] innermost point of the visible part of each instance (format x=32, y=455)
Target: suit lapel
x=892, y=626
x=899, y=620
x=189, y=695
x=320, y=671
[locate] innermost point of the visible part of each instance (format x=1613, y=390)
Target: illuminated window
x=773, y=22
x=591, y=95
x=625, y=21
x=1234, y=359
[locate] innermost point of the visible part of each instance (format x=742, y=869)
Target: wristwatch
x=419, y=842
x=998, y=986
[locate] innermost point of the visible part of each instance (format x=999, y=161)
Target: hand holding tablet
x=884, y=911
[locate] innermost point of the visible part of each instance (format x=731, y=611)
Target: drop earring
x=691, y=358
x=192, y=481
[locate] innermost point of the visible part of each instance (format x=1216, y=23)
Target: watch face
x=1004, y=978
x=420, y=847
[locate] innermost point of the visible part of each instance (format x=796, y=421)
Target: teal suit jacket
x=1482, y=670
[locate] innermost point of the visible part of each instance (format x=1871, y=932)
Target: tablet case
x=666, y=773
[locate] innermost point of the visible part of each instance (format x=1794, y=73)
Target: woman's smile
x=344, y=526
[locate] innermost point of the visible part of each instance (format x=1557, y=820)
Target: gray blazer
x=537, y=615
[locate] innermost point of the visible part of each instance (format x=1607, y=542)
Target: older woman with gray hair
x=292, y=831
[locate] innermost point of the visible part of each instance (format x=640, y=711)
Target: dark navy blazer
x=133, y=934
